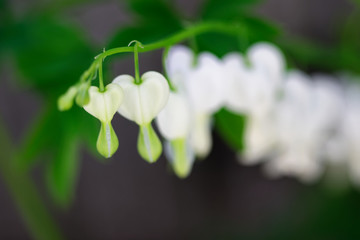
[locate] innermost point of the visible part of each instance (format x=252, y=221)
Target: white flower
x=142, y=103
x=204, y=82
x=207, y=84
x=174, y=120
x=103, y=106
x=254, y=80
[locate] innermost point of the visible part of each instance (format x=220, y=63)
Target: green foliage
x=253, y=29
x=350, y=43
x=50, y=55
x=225, y=9
x=231, y=127
x=62, y=170
x=154, y=20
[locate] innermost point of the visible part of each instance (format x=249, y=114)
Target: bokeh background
x=126, y=198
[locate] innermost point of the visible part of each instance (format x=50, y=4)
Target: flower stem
x=101, y=78
x=187, y=33
x=136, y=62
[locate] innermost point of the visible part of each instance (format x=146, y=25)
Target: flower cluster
x=297, y=124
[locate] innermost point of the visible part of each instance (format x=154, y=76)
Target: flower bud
x=65, y=102
x=83, y=97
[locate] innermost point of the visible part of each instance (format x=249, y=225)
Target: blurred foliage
x=50, y=55
x=231, y=127
x=154, y=20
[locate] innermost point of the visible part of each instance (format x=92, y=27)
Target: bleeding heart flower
x=103, y=106
x=142, y=103
x=174, y=124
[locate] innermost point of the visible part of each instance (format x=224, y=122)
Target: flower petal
x=103, y=105
x=174, y=120
x=143, y=102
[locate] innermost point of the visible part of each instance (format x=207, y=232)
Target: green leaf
x=231, y=127
x=49, y=54
x=253, y=30
x=225, y=9
x=155, y=20
x=62, y=170
x=156, y=12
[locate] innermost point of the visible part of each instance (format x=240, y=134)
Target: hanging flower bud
x=83, y=98
x=66, y=101
x=103, y=106
x=142, y=103
x=174, y=124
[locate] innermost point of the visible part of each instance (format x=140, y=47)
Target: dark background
x=129, y=199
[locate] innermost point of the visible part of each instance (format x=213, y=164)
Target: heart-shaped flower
x=142, y=103
x=103, y=106
x=174, y=124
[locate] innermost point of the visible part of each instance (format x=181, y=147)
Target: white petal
x=143, y=102
x=267, y=58
x=103, y=105
x=174, y=120
x=201, y=140
x=178, y=64
x=207, y=84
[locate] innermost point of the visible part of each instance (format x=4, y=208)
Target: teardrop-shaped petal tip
x=181, y=157
x=107, y=142
x=149, y=145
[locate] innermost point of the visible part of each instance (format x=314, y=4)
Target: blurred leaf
x=225, y=9
x=156, y=12
x=50, y=55
x=62, y=170
x=49, y=130
x=253, y=30
x=155, y=20
x=309, y=55
x=231, y=127
x=217, y=43
x=57, y=136
x=350, y=43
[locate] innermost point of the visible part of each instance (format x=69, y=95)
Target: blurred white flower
x=174, y=125
x=204, y=82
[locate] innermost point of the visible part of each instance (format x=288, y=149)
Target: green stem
x=101, y=78
x=136, y=61
x=176, y=38
x=35, y=215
